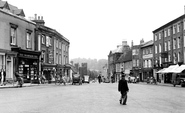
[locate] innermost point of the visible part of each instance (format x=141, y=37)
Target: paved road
x=92, y=98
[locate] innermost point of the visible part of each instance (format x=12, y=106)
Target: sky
x=95, y=27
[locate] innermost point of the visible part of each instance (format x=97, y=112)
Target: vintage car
x=178, y=79
x=76, y=79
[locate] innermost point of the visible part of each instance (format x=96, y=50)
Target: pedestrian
x=123, y=89
x=99, y=78
x=3, y=77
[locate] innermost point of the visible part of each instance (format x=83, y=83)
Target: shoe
x=120, y=101
x=124, y=104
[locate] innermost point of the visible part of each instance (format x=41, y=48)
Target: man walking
x=123, y=89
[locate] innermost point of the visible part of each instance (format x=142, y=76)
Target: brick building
x=169, y=43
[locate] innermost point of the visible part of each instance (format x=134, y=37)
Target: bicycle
x=59, y=80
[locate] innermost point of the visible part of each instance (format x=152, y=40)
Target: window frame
x=13, y=42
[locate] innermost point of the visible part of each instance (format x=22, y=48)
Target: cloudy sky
x=94, y=27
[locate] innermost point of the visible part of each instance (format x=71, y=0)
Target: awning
x=179, y=69
x=161, y=71
x=171, y=69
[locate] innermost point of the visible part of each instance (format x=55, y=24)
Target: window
x=184, y=24
x=149, y=63
x=134, y=63
x=169, y=58
x=47, y=41
x=50, y=40
x=184, y=40
x=156, y=49
x=159, y=48
x=145, y=63
x=39, y=41
x=178, y=42
x=165, y=46
x=13, y=36
x=155, y=37
x=159, y=35
x=143, y=51
x=174, y=43
x=178, y=27
x=178, y=57
x=137, y=63
x=174, y=58
x=28, y=40
x=43, y=56
x=59, y=45
x=165, y=33
x=134, y=52
x=168, y=31
x=160, y=60
x=174, y=29
x=56, y=43
x=43, y=39
x=165, y=60
x=169, y=45
x=146, y=51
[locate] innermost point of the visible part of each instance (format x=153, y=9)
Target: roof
x=2, y=3
x=169, y=23
x=118, y=50
x=16, y=11
x=149, y=43
x=125, y=57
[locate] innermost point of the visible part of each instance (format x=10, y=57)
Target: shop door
x=8, y=70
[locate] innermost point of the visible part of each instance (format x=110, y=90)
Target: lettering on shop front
x=28, y=56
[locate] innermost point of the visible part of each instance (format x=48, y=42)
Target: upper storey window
x=28, y=40
x=13, y=34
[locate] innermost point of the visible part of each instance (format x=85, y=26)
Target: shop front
x=27, y=64
x=147, y=72
x=49, y=71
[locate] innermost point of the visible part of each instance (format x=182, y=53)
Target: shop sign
x=147, y=56
x=28, y=56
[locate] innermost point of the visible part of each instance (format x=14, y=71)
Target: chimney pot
x=41, y=17
x=38, y=17
x=35, y=16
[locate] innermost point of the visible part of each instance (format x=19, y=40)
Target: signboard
x=147, y=56
x=28, y=56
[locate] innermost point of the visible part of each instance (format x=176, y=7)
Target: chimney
x=35, y=16
x=38, y=17
x=41, y=17
x=132, y=43
x=141, y=41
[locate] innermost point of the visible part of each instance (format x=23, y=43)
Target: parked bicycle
x=59, y=80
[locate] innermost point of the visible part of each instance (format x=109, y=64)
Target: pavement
x=30, y=85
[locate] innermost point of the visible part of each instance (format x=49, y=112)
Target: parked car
x=178, y=79
x=76, y=79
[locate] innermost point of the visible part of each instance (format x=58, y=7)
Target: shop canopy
x=171, y=69
x=161, y=71
x=179, y=69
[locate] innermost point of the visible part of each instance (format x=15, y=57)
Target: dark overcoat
x=123, y=86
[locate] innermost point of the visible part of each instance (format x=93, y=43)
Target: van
x=178, y=79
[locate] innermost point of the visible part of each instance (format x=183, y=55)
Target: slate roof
x=2, y=3
x=125, y=57
x=16, y=11
x=151, y=42
x=13, y=9
x=117, y=50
